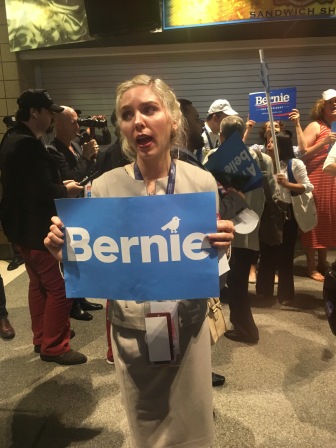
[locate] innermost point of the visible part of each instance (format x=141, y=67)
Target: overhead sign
x=179, y=13
x=283, y=101
x=140, y=248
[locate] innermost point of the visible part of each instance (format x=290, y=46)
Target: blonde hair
x=168, y=101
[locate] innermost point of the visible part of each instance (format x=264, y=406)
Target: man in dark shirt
x=30, y=182
x=74, y=162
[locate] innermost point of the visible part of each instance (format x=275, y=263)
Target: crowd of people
x=162, y=147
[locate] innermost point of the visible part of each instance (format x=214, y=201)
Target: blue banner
x=140, y=248
x=283, y=101
x=233, y=165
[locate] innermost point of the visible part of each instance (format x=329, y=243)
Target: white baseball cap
x=221, y=106
x=328, y=94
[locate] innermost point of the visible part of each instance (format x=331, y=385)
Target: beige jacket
x=118, y=183
x=256, y=201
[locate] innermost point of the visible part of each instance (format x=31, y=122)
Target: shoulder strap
x=291, y=177
x=265, y=183
x=261, y=160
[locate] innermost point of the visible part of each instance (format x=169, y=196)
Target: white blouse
x=331, y=157
x=300, y=174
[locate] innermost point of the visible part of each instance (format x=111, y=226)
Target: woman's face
x=270, y=147
x=268, y=131
x=329, y=110
x=145, y=123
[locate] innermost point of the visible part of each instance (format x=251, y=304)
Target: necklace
x=150, y=188
x=151, y=185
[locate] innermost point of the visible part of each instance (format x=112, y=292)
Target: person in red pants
x=30, y=182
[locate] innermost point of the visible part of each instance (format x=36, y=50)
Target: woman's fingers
x=224, y=235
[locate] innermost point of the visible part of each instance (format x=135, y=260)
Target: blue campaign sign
x=140, y=248
x=282, y=102
x=233, y=165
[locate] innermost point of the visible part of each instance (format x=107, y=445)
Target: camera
x=90, y=122
x=9, y=121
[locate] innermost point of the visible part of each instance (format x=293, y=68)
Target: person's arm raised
x=294, y=116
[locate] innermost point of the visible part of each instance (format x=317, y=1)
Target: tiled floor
x=279, y=393
x=8, y=276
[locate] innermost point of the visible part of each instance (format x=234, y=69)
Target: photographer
x=74, y=163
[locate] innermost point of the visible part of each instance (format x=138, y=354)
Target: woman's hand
x=55, y=239
x=224, y=236
x=249, y=126
x=295, y=116
x=330, y=139
x=281, y=179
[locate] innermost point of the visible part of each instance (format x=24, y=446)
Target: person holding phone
x=31, y=182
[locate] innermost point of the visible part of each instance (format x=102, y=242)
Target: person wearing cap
x=218, y=110
x=30, y=182
x=319, y=138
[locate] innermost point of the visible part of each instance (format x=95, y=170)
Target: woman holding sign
x=320, y=138
x=168, y=404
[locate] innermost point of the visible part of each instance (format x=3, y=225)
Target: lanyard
x=291, y=177
x=171, y=176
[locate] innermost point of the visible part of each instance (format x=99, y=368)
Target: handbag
x=216, y=319
x=304, y=207
x=274, y=214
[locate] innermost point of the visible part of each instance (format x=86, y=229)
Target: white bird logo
x=172, y=225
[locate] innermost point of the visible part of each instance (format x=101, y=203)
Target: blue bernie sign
x=282, y=102
x=140, y=248
x=233, y=165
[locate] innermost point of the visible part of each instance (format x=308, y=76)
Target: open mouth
x=144, y=141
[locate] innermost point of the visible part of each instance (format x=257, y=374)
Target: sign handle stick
x=265, y=81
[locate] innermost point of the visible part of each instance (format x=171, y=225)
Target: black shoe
x=68, y=358
x=217, y=380
x=237, y=336
x=89, y=306
x=15, y=263
x=37, y=348
x=78, y=313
